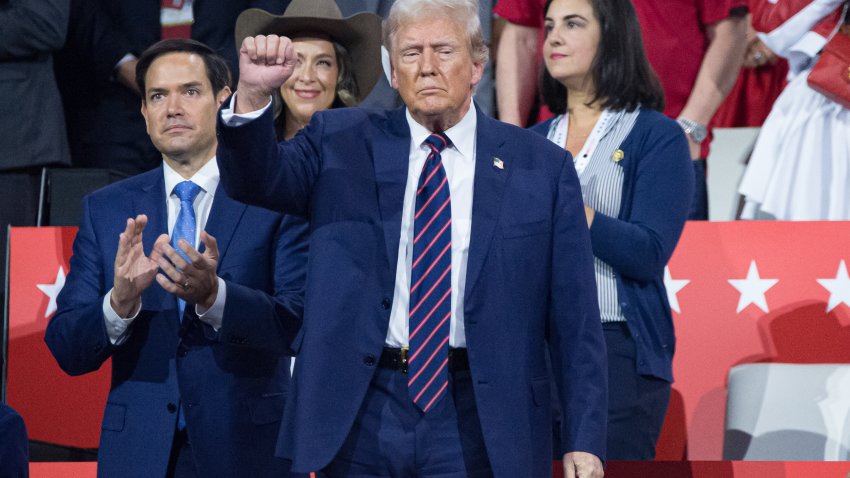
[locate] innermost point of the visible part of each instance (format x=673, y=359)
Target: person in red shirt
x=695, y=46
x=760, y=81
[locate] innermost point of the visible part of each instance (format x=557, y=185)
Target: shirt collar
x=206, y=177
x=462, y=134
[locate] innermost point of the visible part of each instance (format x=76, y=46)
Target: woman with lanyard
x=637, y=182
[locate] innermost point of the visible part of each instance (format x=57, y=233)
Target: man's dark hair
x=217, y=70
x=621, y=73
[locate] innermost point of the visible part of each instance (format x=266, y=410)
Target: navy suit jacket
x=232, y=384
x=14, y=452
x=529, y=279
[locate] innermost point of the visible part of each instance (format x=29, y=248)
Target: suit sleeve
x=76, y=335
x=14, y=454
x=662, y=191
x=575, y=339
x=255, y=319
x=256, y=170
x=32, y=27
x=94, y=44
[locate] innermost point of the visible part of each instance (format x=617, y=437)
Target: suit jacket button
x=98, y=347
x=369, y=360
x=171, y=408
x=386, y=304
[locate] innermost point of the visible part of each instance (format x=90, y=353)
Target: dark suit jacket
x=30, y=109
x=101, y=110
x=529, y=278
x=14, y=453
x=232, y=384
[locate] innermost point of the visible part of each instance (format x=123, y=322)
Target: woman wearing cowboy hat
x=339, y=59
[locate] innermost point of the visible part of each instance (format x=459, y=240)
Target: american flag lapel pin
x=498, y=163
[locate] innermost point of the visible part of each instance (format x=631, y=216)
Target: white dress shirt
x=207, y=178
x=459, y=163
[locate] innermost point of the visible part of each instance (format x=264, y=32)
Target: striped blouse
x=602, y=189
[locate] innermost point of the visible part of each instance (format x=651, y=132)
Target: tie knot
x=439, y=141
x=187, y=191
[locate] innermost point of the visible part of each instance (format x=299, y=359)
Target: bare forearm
x=719, y=69
x=516, y=68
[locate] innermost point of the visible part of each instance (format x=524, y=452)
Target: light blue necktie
x=184, y=228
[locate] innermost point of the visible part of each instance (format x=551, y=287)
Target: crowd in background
x=79, y=105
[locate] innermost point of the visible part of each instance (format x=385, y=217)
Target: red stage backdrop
x=742, y=292
x=57, y=408
x=746, y=292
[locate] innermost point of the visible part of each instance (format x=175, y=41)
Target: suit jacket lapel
x=490, y=180
x=225, y=215
x=391, y=160
x=149, y=199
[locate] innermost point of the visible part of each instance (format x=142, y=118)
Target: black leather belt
x=396, y=359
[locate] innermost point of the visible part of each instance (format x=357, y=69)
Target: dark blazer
x=233, y=383
x=14, y=448
x=30, y=108
x=529, y=279
x=658, y=184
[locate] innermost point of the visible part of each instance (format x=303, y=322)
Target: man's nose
x=174, y=104
x=428, y=62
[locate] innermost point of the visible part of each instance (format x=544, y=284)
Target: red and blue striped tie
x=431, y=281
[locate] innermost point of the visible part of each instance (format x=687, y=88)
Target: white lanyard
x=581, y=160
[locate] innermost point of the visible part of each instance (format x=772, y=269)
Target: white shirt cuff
x=214, y=315
x=116, y=326
x=124, y=59
x=786, y=36
x=231, y=118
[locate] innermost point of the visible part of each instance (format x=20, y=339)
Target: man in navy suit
x=200, y=357
x=501, y=267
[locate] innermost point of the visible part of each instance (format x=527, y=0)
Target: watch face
x=699, y=134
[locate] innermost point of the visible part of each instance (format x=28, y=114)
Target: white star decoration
x=52, y=291
x=673, y=287
x=839, y=288
x=752, y=289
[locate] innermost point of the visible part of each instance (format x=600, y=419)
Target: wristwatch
x=696, y=131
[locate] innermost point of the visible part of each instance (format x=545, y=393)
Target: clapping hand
x=196, y=281
x=133, y=270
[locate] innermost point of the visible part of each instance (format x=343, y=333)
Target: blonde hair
x=464, y=12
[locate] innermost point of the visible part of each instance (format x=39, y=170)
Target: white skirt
x=800, y=166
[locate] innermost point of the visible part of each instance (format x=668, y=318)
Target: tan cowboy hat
x=360, y=34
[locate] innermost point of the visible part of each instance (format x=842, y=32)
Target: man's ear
x=223, y=95
x=145, y=113
x=477, y=73
x=393, y=80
